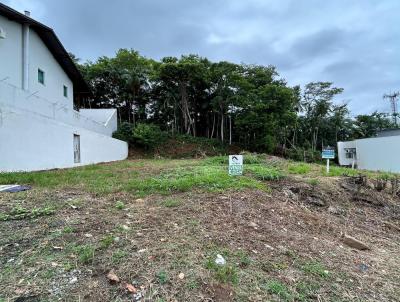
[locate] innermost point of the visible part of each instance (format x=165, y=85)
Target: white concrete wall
x=11, y=53
x=32, y=142
x=55, y=77
x=379, y=154
x=39, y=57
x=108, y=117
x=343, y=161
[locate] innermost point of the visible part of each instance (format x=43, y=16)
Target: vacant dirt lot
x=158, y=226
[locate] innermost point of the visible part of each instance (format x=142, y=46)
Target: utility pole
x=393, y=98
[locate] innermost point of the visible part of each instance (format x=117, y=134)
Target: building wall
x=379, y=154
x=341, y=146
x=39, y=143
x=11, y=53
x=55, y=77
x=11, y=49
x=108, y=117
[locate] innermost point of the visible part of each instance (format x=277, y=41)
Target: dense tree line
x=248, y=105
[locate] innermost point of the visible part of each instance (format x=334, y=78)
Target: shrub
x=148, y=136
x=124, y=132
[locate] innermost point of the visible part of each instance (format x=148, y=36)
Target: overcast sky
x=353, y=43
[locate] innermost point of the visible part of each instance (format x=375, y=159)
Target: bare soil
x=282, y=245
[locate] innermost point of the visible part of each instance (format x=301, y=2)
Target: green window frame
x=65, y=91
x=41, y=76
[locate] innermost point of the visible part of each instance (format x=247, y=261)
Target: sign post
x=235, y=165
x=328, y=154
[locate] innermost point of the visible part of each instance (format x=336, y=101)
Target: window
x=65, y=90
x=40, y=76
x=350, y=153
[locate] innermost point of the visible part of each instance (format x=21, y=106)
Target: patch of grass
x=223, y=273
x=279, y=289
x=85, y=253
x=119, y=205
x=244, y=259
x=263, y=172
x=339, y=171
x=206, y=178
x=106, y=241
x=315, y=268
x=19, y=213
x=162, y=277
x=313, y=182
x=118, y=256
x=171, y=202
x=192, y=284
x=299, y=168
x=68, y=230
x=306, y=291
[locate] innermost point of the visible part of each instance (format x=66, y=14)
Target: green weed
x=19, y=213
x=119, y=205
x=171, y=203
x=118, y=256
x=279, y=289
x=223, y=273
x=315, y=268
x=299, y=168
x=162, y=277
x=263, y=172
x=85, y=253
x=106, y=241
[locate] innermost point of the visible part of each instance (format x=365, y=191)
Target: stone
x=220, y=260
x=354, y=243
x=112, y=277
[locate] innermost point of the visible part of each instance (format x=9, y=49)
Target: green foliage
x=339, y=171
x=124, y=132
x=279, y=289
x=148, y=136
x=223, y=273
x=68, y=230
x=315, y=268
x=171, y=202
x=118, y=256
x=18, y=213
x=106, y=241
x=162, y=277
x=85, y=253
x=119, y=205
x=193, y=96
x=299, y=168
x=263, y=172
x=314, y=182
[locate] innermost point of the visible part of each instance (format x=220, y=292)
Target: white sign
x=235, y=164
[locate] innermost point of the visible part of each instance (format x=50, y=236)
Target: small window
x=41, y=76
x=65, y=90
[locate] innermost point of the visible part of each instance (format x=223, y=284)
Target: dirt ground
x=282, y=244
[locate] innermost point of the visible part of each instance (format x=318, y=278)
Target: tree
x=316, y=105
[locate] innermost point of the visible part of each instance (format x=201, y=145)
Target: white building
x=379, y=153
x=39, y=128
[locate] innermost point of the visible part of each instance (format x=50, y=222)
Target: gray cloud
x=354, y=44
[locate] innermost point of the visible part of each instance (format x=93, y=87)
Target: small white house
x=39, y=128
x=379, y=153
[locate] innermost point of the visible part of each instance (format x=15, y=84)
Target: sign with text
x=235, y=164
x=328, y=154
